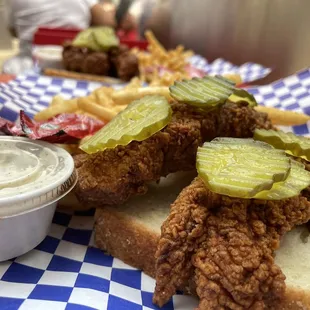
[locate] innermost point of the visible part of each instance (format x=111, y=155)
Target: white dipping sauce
x=34, y=175
x=30, y=170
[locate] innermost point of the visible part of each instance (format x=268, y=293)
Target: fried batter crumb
x=112, y=176
x=227, y=245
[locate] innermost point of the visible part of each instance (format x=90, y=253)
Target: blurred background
x=273, y=33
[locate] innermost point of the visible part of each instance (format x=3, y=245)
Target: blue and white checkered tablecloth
x=33, y=92
x=290, y=93
x=249, y=71
x=66, y=271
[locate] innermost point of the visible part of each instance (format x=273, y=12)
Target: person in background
x=126, y=23
x=134, y=23
x=158, y=21
x=143, y=10
x=25, y=16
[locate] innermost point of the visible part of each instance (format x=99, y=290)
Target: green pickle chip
x=238, y=141
x=297, y=180
x=96, y=38
x=242, y=95
x=83, y=38
x=93, y=45
x=141, y=119
x=241, y=167
x=105, y=37
x=295, y=145
x=206, y=93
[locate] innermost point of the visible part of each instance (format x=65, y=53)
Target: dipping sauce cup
x=34, y=175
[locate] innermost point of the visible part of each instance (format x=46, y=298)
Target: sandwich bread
x=131, y=232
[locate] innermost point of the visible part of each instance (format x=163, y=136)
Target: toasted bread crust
x=295, y=299
x=132, y=242
x=126, y=239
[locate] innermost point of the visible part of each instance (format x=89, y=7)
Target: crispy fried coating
x=112, y=176
x=227, y=245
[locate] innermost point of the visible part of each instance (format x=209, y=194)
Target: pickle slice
x=297, y=180
x=105, y=37
x=96, y=38
x=206, y=93
x=241, y=167
x=294, y=145
x=92, y=43
x=83, y=38
x=241, y=95
x=140, y=120
x=238, y=141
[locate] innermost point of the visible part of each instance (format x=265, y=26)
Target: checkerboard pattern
x=249, y=71
x=291, y=93
x=67, y=272
x=33, y=92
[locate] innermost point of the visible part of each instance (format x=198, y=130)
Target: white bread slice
x=131, y=232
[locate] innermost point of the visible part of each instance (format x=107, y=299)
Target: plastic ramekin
x=34, y=175
x=48, y=56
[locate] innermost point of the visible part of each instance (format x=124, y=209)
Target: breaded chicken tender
x=227, y=245
x=114, y=175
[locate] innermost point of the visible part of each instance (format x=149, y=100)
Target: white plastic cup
x=48, y=56
x=34, y=175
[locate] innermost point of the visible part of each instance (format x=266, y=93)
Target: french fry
x=68, y=106
x=284, y=118
x=102, y=98
x=95, y=109
x=134, y=83
x=153, y=41
x=188, y=54
x=119, y=108
x=158, y=57
x=236, y=78
x=92, y=96
x=107, y=90
x=81, y=76
x=58, y=99
x=124, y=97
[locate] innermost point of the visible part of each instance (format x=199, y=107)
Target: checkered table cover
x=290, y=93
x=33, y=92
x=249, y=71
x=66, y=271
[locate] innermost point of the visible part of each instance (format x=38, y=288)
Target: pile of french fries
x=174, y=61
x=103, y=103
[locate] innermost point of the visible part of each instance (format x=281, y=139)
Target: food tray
x=66, y=271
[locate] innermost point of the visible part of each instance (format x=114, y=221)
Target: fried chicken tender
x=227, y=245
x=112, y=176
